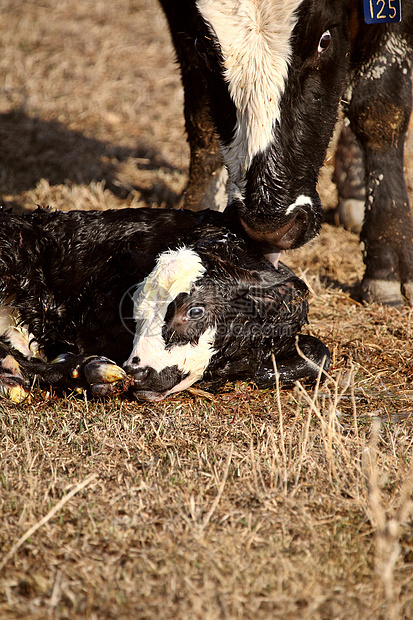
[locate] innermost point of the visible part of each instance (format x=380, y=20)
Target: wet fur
x=69, y=275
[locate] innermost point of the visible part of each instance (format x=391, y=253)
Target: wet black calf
x=147, y=301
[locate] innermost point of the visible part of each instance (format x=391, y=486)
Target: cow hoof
x=351, y=214
x=105, y=377
x=383, y=292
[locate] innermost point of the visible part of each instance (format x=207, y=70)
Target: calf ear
x=285, y=298
x=309, y=360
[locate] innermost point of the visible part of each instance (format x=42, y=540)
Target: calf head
x=274, y=71
x=198, y=310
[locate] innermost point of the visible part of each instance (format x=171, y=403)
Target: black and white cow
x=263, y=80
x=171, y=296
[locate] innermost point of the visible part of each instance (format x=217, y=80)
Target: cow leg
x=379, y=115
x=206, y=186
x=349, y=179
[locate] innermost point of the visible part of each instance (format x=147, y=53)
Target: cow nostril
x=141, y=373
x=136, y=360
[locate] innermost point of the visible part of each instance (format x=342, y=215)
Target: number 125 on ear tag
x=382, y=11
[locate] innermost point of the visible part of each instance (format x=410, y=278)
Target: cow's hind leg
x=349, y=178
x=379, y=114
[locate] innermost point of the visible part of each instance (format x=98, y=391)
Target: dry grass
x=247, y=505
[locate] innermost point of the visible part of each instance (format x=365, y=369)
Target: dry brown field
x=245, y=504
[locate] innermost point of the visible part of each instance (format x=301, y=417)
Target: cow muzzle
x=299, y=223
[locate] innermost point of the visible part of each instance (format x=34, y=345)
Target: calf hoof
x=386, y=292
x=13, y=388
x=311, y=362
x=13, y=385
x=105, y=377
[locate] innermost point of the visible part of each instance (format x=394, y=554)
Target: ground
x=247, y=504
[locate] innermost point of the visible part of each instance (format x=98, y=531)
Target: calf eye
x=324, y=42
x=195, y=313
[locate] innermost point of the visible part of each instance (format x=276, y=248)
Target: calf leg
x=311, y=358
x=100, y=376
x=14, y=386
x=379, y=115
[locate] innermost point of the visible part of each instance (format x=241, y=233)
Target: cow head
x=199, y=309
x=274, y=71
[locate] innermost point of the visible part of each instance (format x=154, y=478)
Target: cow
x=147, y=301
x=263, y=81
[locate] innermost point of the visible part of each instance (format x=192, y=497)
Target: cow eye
x=195, y=313
x=324, y=42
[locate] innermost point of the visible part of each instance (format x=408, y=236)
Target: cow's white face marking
x=301, y=201
x=254, y=36
x=175, y=272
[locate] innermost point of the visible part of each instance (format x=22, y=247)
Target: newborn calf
x=147, y=301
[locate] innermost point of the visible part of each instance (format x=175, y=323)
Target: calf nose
x=139, y=373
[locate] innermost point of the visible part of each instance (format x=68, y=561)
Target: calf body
x=170, y=296
x=263, y=82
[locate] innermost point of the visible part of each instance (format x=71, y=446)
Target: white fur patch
x=301, y=200
x=175, y=272
x=254, y=36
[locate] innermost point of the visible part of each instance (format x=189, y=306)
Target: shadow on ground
x=33, y=149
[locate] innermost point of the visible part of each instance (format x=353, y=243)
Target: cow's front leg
x=379, y=114
x=207, y=181
x=349, y=177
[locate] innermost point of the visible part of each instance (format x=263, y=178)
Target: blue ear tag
x=382, y=11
